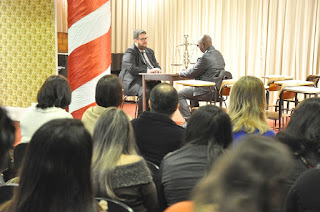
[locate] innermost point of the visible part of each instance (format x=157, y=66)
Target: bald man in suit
x=209, y=67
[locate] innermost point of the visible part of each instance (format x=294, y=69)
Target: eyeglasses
x=143, y=39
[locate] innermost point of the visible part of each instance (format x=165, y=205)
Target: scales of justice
x=185, y=54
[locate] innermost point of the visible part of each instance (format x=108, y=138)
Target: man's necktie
x=147, y=61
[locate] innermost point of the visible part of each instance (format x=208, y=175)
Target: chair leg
x=136, y=110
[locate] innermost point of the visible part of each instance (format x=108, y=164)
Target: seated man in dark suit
x=156, y=133
x=137, y=59
x=209, y=67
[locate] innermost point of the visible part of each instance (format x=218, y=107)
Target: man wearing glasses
x=209, y=67
x=138, y=58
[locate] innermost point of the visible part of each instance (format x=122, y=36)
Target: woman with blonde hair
x=118, y=172
x=247, y=108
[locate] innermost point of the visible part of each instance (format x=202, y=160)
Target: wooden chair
x=135, y=99
x=314, y=78
x=274, y=115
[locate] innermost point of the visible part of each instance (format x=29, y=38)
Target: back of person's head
x=55, y=92
x=164, y=99
x=247, y=105
x=7, y=137
x=302, y=134
x=211, y=126
x=109, y=91
x=55, y=174
x=112, y=137
x=248, y=178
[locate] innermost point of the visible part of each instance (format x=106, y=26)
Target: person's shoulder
x=269, y=133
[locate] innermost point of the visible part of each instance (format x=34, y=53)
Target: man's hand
x=155, y=70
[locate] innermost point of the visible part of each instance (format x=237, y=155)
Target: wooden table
x=277, y=76
x=296, y=89
x=293, y=82
x=156, y=77
x=200, y=83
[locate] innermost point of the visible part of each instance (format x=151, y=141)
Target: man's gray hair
x=138, y=32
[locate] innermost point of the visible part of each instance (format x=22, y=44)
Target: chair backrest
x=154, y=169
x=219, y=79
x=227, y=75
x=313, y=78
x=272, y=86
x=224, y=91
x=6, y=192
x=115, y=206
x=18, y=154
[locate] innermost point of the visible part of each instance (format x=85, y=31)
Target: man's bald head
x=204, y=42
x=164, y=99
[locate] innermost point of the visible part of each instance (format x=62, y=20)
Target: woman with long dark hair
x=207, y=135
x=302, y=135
x=55, y=174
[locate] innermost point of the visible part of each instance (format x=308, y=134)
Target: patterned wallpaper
x=27, y=49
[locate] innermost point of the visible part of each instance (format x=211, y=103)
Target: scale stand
x=186, y=55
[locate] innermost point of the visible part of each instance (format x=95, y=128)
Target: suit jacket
x=132, y=65
x=209, y=67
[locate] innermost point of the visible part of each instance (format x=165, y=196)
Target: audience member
x=208, y=133
x=7, y=137
x=247, y=108
x=108, y=94
x=304, y=194
x=302, y=135
x=53, y=97
x=118, y=171
x=248, y=178
x=156, y=133
x=209, y=67
x=137, y=59
x=55, y=175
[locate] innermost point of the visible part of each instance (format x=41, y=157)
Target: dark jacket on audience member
x=156, y=135
x=304, y=195
x=180, y=171
x=133, y=183
x=300, y=166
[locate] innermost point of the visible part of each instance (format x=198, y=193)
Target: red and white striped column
x=89, y=49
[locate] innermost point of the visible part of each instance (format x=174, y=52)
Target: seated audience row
x=118, y=172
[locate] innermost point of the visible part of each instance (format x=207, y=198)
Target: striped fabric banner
x=89, y=50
